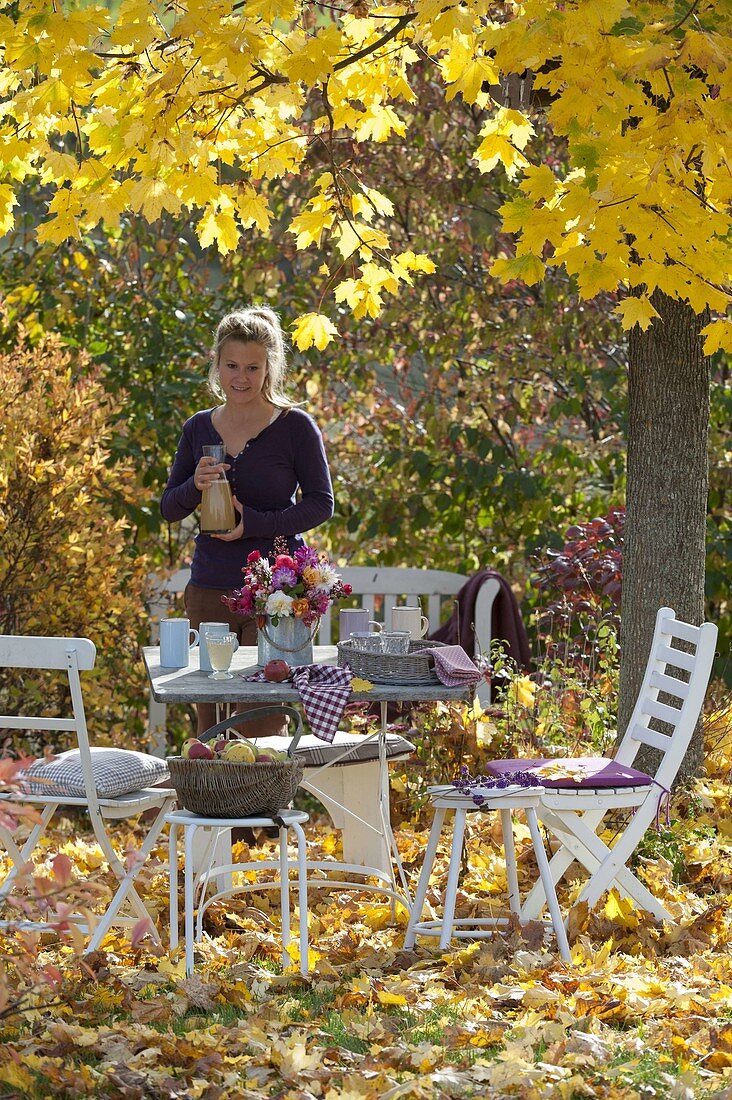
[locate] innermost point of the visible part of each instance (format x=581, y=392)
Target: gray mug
x=355, y=620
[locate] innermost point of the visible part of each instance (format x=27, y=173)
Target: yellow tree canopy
x=202, y=104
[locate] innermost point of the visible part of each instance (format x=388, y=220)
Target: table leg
x=284, y=896
x=386, y=818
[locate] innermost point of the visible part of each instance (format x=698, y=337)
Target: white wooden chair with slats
x=85, y=769
x=574, y=816
x=353, y=783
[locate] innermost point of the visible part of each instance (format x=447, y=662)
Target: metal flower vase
x=290, y=640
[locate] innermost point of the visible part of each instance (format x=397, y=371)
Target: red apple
x=276, y=671
x=200, y=751
x=219, y=745
x=263, y=758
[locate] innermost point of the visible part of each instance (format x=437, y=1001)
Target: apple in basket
x=238, y=752
x=193, y=749
x=276, y=671
x=271, y=757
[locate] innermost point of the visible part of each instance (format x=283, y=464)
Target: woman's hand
x=208, y=470
x=238, y=532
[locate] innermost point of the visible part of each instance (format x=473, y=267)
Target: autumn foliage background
x=465, y=353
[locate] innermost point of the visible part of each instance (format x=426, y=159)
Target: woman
x=273, y=449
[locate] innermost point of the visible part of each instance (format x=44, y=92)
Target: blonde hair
x=258, y=325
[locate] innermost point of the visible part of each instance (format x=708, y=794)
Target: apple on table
x=276, y=671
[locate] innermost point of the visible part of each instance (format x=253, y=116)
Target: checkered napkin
x=324, y=691
x=453, y=666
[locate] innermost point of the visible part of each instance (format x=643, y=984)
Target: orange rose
x=300, y=608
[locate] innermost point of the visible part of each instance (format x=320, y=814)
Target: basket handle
x=257, y=712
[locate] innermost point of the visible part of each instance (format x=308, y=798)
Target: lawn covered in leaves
x=643, y=1010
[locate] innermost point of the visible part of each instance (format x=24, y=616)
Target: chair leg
x=612, y=870
x=302, y=896
x=509, y=852
x=173, y=885
x=606, y=866
x=20, y=856
x=126, y=890
x=424, y=877
x=188, y=875
x=453, y=874
x=546, y=877
x=535, y=900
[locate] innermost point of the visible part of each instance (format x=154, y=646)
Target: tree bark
x=664, y=546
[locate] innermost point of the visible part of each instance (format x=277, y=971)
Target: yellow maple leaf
x=620, y=910
x=313, y=330
x=379, y=123
x=386, y=997
x=717, y=336
x=356, y=235
x=308, y=227
x=636, y=311
x=7, y=202
x=58, y=228
x=219, y=226
x=358, y=684
x=465, y=71
x=529, y=269
x=152, y=196
x=252, y=209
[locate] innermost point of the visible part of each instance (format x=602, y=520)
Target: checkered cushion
x=116, y=772
x=314, y=752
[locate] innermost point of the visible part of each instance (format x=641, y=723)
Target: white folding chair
x=84, y=771
x=574, y=814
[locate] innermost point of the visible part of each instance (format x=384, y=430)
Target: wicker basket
x=391, y=668
x=222, y=788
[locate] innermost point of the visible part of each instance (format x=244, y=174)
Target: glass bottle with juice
x=217, y=506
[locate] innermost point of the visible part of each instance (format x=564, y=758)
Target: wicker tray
x=388, y=668
x=222, y=788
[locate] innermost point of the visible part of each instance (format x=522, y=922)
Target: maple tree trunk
x=668, y=427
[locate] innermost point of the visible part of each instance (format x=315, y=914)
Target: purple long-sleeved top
x=286, y=455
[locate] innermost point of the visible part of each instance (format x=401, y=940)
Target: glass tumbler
x=220, y=652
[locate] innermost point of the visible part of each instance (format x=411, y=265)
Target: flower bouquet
x=287, y=597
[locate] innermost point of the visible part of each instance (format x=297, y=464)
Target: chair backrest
x=681, y=675
x=71, y=655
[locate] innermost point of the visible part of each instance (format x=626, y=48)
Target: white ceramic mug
x=218, y=629
x=355, y=620
x=175, y=642
x=411, y=619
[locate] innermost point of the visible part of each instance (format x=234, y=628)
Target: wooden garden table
x=190, y=685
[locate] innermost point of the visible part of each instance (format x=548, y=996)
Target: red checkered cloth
x=453, y=666
x=324, y=691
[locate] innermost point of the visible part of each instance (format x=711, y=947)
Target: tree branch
x=401, y=23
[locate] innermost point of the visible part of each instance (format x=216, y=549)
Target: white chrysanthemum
x=278, y=604
x=327, y=577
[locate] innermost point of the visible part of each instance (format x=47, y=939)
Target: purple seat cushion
x=597, y=772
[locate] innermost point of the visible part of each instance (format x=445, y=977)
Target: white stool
x=197, y=879
x=448, y=798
